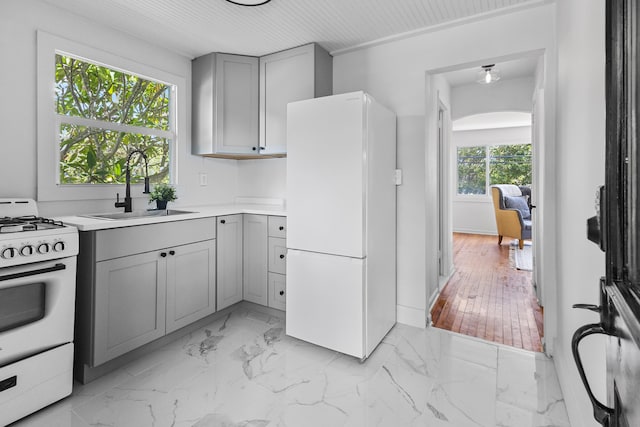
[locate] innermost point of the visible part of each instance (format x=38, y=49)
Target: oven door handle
x=56, y=267
x=601, y=413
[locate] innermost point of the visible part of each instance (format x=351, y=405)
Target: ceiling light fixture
x=488, y=74
x=249, y=2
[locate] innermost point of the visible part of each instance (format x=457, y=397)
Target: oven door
x=36, y=308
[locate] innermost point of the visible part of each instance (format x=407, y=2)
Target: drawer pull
x=10, y=382
x=172, y=252
x=222, y=221
x=163, y=254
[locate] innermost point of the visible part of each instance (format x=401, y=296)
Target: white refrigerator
x=341, y=222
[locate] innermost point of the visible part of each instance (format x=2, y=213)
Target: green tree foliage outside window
x=472, y=170
x=505, y=164
x=510, y=164
x=104, y=114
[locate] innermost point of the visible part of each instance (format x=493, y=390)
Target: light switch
x=203, y=179
x=398, y=176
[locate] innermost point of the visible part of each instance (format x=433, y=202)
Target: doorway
x=486, y=294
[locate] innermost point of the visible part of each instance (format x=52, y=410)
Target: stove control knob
x=26, y=250
x=58, y=246
x=8, y=253
x=43, y=248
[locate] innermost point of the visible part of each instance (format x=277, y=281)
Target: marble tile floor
x=243, y=371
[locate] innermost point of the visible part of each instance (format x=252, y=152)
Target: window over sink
x=103, y=115
x=94, y=109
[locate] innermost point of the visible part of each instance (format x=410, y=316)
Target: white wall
x=475, y=214
x=503, y=95
x=580, y=153
x=264, y=178
x=19, y=21
x=394, y=73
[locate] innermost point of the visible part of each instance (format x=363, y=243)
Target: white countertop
x=87, y=223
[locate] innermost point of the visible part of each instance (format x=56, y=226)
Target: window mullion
x=487, y=172
x=118, y=127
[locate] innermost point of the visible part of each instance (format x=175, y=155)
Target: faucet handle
x=118, y=203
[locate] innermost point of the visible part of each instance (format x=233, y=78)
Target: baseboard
x=474, y=231
x=432, y=302
x=411, y=316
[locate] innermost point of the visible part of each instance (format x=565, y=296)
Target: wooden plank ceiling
x=197, y=27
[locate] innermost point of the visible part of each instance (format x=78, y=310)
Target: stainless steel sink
x=137, y=214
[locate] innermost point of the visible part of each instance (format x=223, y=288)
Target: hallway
x=487, y=298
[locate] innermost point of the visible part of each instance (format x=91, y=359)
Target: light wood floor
x=487, y=298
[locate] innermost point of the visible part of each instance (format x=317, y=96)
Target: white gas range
x=37, y=297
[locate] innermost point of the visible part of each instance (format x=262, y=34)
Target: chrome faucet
x=126, y=204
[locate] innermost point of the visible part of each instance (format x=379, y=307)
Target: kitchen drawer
x=277, y=291
x=277, y=255
x=278, y=226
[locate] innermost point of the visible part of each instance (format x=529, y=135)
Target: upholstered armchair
x=513, y=212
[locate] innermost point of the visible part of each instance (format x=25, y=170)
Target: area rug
x=521, y=259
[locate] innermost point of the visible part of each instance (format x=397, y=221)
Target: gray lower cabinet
x=277, y=286
x=191, y=283
x=229, y=260
x=142, y=297
x=130, y=298
x=251, y=260
x=136, y=284
x=255, y=259
x=277, y=291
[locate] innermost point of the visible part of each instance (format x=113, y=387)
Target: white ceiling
x=197, y=27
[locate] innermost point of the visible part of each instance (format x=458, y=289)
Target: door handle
x=56, y=267
x=601, y=413
x=591, y=307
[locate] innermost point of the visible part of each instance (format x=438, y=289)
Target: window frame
x=49, y=187
x=487, y=196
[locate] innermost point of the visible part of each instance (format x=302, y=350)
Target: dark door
x=616, y=228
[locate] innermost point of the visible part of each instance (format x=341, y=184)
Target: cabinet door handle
x=281, y=256
x=163, y=254
x=222, y=221
x=281, y=228
x=281, y=292
x=254, y=148
x=172, y=252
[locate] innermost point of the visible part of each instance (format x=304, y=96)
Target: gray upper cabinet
x=240, y=102
x=225, y=105
x=292, y=75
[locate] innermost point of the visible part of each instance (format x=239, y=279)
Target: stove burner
x=27, y=223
